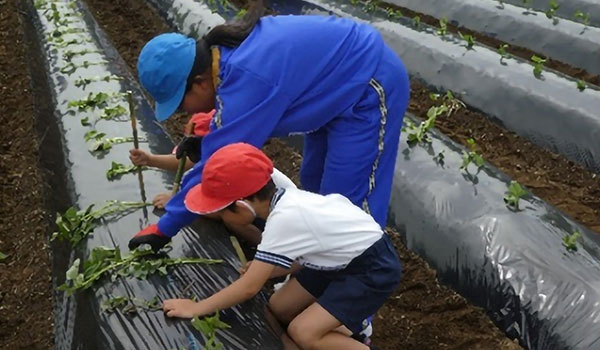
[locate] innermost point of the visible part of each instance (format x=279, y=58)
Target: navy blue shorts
x=359, y=290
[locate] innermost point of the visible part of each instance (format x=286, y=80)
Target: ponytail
x=228, y=34
x=233, y=34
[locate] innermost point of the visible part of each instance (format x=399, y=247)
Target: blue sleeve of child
x=248, y=110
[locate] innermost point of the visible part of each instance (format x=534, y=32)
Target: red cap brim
x=197, y=202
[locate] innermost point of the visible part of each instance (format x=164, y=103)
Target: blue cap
x=163, y=68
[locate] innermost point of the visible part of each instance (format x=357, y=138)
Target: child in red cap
x=345, y=265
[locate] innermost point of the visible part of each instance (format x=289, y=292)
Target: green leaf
x=581, y=85
x=3, y=256
x=73, y=271
x=570, y=241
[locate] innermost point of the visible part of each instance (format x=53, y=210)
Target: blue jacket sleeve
x=248, y=110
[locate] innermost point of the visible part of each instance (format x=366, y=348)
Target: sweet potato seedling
x=93, y=135
x=91, y=102
x=582, y=17
x=470, y=39
x=538, y=65
x=130, y=305
x=502, y=52
x=443, y=30
x=71, y=67
x=570, y=241
x=472, y=157
x=419, y=134
x=68, y=55
x=104, y=145
x=208, y=326
x=75, y=225
x=109, y=261
x=391, y=13
x=514, y=195
x=416, y=21
x=83, y=82
x=117, y=170
x=111, y=113
x=581, y=85
x=551, y=12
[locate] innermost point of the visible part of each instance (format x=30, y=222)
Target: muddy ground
x=421, y=314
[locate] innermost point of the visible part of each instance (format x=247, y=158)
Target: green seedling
x=111, y=113
x=241, y=13
x=453, y=103
x=433, y=96
x=208, y=326
x=583, y=17
x=514, y=195
x=3, y=256
x=472, y=157
x=551, y=12
x=109, y=261
x=570, y=241
x=538, y=65
x=85, y=121
x=503, y=53
x=57, y=34
x=71, y=67
x=443, y=27
x=581, y=85
x=130, y=305
x=106, y=144
x=470, y=39
x=118, y=169
x=83, y=82
x=419, y=134
x=416, y=21
x=66, y=43
x=370, y=5
x=75, y=225
x=391, y=13
x=93, y=135
x=92, y=101
x=69, y=54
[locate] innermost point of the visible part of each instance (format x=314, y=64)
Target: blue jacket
x=293, y=74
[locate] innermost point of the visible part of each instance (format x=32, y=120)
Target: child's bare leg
x=316, y=329
x=289, y=301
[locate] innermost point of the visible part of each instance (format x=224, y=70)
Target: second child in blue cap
x=332, y=79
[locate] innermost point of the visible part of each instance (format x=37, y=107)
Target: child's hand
x=161, y=200
x=139, y=157
x=243, y=269
x=183, y=308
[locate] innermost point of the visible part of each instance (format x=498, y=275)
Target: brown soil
x=518, y=51
x=26, y=320
x=422, y=314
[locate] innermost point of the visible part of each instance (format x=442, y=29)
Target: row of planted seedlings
x=541, y=32
x=107, y=297
x=534, y=269
x=550, y=109
x=584, y=11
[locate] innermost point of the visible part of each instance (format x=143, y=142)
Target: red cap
x=201, y=123
x=233, y=172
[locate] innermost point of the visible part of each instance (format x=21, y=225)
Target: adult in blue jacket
x=332, y=79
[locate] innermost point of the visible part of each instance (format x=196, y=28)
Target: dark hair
x=228, y=34
x=264, y=193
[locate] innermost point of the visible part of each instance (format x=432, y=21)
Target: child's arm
x=161, y=161
x=239, y=291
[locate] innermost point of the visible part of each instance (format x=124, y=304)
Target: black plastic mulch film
x=511, y=263
x=79, y=322
x=550, y=110
x=533, y=30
